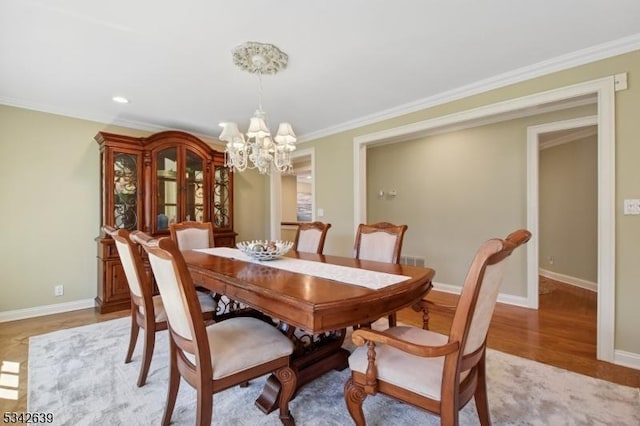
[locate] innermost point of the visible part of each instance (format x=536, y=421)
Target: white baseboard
x=577, y=282
x=508, y=299
x=39, y=311
x=626, y=359
x=623, y=358
x=447, y=288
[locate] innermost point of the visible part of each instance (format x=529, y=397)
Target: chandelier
x=259, y=150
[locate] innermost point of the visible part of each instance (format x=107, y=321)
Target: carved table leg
x=310, y=364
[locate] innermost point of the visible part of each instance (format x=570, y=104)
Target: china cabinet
x=148, y=183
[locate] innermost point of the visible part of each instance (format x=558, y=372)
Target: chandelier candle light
x=259, y=150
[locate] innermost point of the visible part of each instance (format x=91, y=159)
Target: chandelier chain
x=260, y=90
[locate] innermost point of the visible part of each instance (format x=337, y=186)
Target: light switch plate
x=631, y=206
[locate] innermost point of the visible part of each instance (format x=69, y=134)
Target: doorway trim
x=533, y=197
x=604, y=90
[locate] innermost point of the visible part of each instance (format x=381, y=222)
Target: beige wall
x=456, y=190
x=251, y=205
x=49, y=187
x=49, y=216
x=568, y=195
x=334, y=168
x=288, y=205
x=289, y=198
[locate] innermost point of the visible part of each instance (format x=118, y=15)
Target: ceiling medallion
x=259, y=58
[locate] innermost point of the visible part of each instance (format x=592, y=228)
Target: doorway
x=297, y=200
x=559, y=242
x=603, y=90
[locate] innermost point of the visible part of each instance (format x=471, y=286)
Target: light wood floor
x=561, y=333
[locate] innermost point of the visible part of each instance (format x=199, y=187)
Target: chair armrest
x=361, y=336
x=426, y=306
x=429, y=305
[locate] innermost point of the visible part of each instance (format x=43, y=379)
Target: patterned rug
x=80, y=376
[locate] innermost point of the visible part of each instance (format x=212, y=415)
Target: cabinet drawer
x=116, y=285
x=225, y=241
x=111, y=250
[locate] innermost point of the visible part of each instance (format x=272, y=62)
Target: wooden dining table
x=313, y=310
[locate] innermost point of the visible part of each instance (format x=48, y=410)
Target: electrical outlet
x=58, y=290
x=551, y=260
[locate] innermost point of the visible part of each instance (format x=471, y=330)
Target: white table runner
x=362, y=277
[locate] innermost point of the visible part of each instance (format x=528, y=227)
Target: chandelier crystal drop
x=259, y=150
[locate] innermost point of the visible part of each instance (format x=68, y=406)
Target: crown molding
x=559, y=63
x=580, y=57
x=103, y=119
x=498, y=118
x=107, y=119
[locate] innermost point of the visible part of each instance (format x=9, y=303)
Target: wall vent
x=412, y=260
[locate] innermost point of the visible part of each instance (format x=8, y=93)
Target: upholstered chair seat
x=399, y=368
x=158, y=307
x=239, y=344
x=206, y=303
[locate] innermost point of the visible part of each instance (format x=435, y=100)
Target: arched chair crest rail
x=191, y=235
x=429, y=370
x=310, y=237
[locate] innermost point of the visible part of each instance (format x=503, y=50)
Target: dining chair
x=147, y=310
x=380, y=242
x=435, y=372
x=191, y=235
x=310, y=237
x=218, y=356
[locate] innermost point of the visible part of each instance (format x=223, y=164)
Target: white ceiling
x=350, y=61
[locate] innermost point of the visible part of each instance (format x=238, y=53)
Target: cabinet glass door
x=221, y=198
x=125, y=190
x=195, y=197
x=167, y=188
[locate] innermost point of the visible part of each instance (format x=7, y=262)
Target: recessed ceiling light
x=120, y=99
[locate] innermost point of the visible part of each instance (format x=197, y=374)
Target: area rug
x=80, y=376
